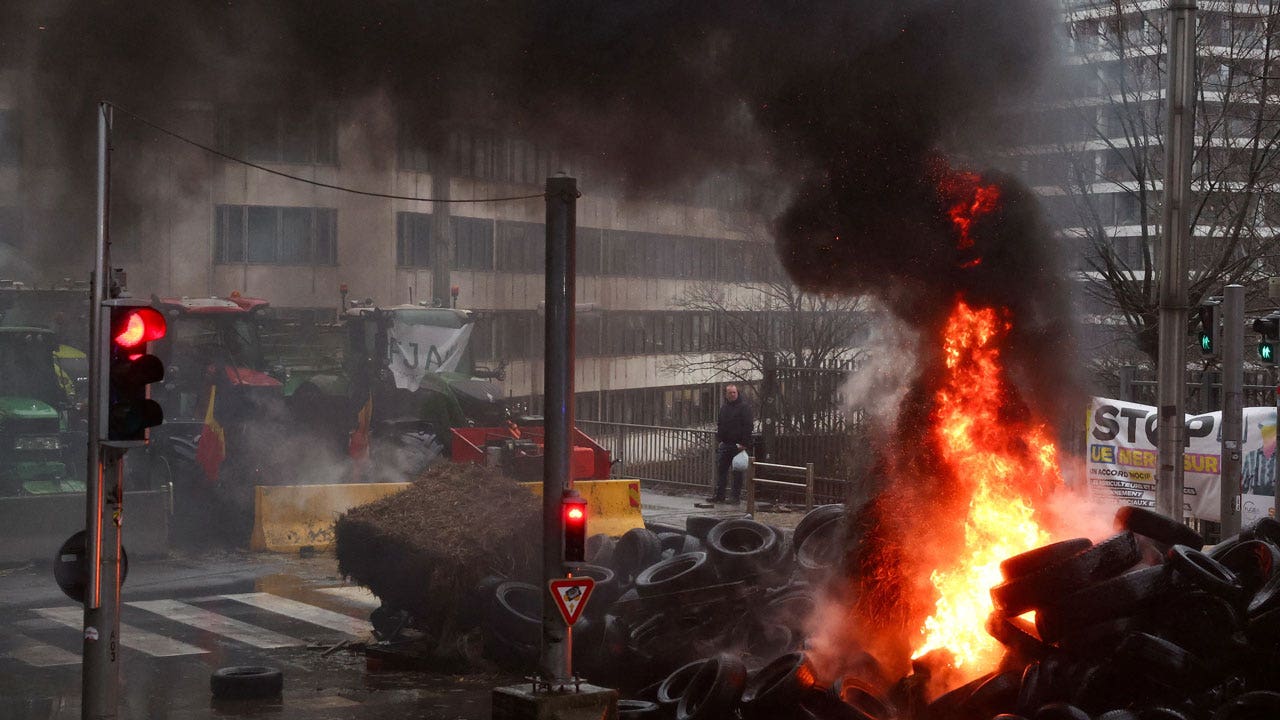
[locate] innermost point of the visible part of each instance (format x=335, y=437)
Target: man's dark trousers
x=724, y=460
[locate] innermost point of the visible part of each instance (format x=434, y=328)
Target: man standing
x=733, y=434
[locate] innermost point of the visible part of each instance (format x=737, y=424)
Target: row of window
x=518, y=334
x=509, y=246
x=267, y=235
x=265, y=134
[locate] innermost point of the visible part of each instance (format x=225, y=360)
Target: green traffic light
x=1206, y=343
x=1267, y=351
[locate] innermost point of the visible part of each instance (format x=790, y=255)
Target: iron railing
x=684, y=458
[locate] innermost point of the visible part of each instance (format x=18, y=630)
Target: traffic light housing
x=1269, y=344
x=126, y=411
x=1209, y=336
x=573, y=509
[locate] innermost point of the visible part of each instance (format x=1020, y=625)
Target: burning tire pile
x=709, y=621
x=693, y=622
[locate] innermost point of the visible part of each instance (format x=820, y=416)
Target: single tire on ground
x=1161, y=528
x=246, y=682
x=1204, y=572
x=816, y=704
x=599, y=550
x=821, y=549
x=516, y=612
x=700, y=526
x=1050, y=584
x=606, y=588
x=813, y=519
x=672, y=688
x=682, y=572
x=776, y=688
x=1118, y=597
x=1041, y=557
x=636, y=550
x=714, y=691
x=741, y=546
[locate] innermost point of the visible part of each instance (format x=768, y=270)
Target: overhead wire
x=330, y=186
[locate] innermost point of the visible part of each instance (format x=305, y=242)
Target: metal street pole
x=1232, y=408
x=1175, y=243
x=562, y=200
x=100, y=670
x=442, y=239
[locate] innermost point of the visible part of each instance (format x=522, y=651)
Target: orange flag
x=358, y=445
x=212, y=448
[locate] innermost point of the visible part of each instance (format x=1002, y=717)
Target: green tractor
x=401, y=379
x=42, y=439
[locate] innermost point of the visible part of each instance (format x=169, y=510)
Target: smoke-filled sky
x=833, y=110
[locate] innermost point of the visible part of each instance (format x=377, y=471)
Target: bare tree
x=1113, y=147
x=812, y=336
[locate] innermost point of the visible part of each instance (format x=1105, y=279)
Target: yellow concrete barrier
x=287, y=518
x=613, y=506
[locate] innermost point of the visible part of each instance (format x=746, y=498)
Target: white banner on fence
x=1122, y=458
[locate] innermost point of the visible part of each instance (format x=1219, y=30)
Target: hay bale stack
x=424, y=550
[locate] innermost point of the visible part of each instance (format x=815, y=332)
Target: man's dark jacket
x=734, y=423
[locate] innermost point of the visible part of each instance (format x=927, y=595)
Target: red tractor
x=224, y=414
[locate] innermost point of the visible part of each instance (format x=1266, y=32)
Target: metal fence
x=684, y=458
x=1204, y=388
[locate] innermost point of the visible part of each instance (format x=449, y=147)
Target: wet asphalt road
x=186, y=616
x=192, y=613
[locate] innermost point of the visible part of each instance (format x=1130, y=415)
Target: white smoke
x=887, y=372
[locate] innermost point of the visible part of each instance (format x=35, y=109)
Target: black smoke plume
x=832, y=111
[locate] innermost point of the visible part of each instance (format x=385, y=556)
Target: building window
x=10, y=137
x=268, y=235
x=480, y=154
x=413, y=239
x=521, y=247
x=267, y=134
x=472, y=246
x=472, y=243
x=10, y=227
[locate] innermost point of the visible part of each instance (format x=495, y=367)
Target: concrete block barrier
x=613, y=506
x=287, y=518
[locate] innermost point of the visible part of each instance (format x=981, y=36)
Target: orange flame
x=1004, y=464
x=967, y=198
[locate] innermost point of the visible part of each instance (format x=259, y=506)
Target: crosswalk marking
x=130, y=636
x=358, y=596
x=302, y=611
x=219, y=624
x=34, y=652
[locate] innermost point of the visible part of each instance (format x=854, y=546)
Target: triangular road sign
x=571, y=596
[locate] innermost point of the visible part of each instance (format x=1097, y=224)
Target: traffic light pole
x=100, y=669
x=1175, y=243
x=562, y=201
x=1232, y=409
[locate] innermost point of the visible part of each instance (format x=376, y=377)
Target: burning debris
x=727, y=617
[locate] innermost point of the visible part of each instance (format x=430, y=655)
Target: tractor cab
x=213, y=342
x=38, y=450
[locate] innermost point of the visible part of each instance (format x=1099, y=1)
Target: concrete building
x=187, y=222
x=1092, y=148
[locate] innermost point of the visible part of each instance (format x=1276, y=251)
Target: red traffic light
x=138, y=327
x=574, y=508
